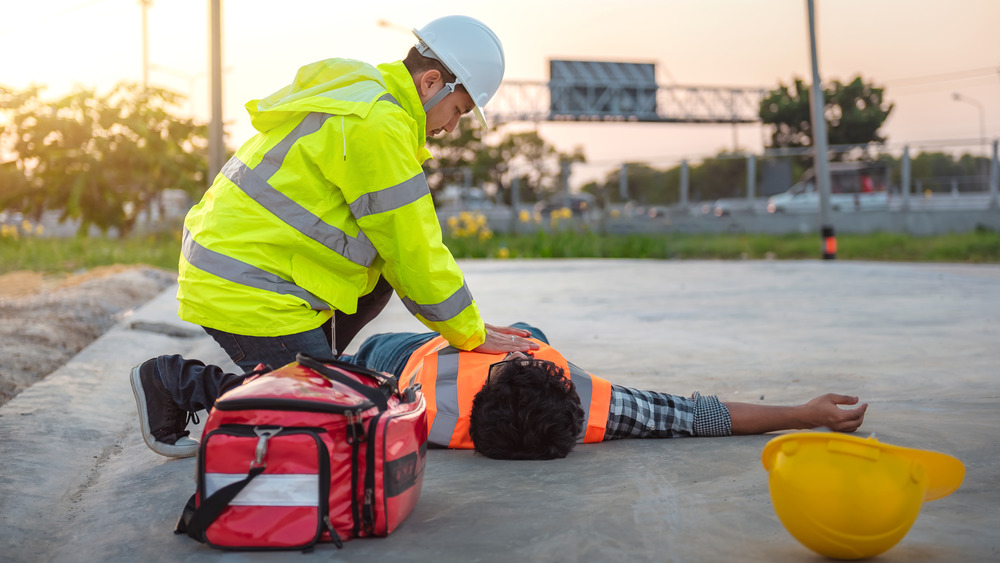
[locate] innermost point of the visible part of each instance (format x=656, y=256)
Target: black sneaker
x=161, y=421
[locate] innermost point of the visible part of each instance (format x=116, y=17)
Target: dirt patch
x=46, y=320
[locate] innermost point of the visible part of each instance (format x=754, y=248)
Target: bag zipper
x=296, y=405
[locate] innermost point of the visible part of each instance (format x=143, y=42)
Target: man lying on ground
x=514, y=406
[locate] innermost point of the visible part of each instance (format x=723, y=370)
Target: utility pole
x=145, y=42
x=216, y=145
x=821, y=163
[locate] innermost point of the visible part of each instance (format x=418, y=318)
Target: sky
x=921, y=51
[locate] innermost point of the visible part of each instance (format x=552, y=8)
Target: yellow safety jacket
x=450, y=379
x=325, y=198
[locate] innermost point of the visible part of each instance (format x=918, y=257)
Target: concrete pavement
x=919, y=342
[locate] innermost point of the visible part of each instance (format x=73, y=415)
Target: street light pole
x=145, y=42
x=820, y=157
x=216, y=144
x=982, y=116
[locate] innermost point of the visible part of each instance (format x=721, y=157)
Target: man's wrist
x=801, y=418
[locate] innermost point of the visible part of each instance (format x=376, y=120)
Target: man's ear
x=426, y=81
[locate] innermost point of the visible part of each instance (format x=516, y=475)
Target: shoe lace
x=192, y=417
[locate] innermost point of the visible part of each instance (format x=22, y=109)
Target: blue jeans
x=391, y=351
x=322, y=342
x=195, y=386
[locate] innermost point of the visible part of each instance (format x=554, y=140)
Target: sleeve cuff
x=711, y=417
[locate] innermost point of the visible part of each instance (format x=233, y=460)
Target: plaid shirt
x=647, y=414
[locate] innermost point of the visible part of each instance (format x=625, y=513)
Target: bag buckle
x=368, y=511
x=264, y=433
x=355, y=429
x=410, y=393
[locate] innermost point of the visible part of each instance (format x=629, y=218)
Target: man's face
x=443, y=116
x=519, y=358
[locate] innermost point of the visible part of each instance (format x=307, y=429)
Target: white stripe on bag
x=268, y=490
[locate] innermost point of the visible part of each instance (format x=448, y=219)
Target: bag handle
x=376, y=396
x=386, y=380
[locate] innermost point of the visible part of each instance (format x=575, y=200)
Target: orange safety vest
x=450, y=379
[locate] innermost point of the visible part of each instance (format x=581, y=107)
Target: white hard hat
x=471, y=51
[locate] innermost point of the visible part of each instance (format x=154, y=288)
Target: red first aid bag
x=318, y=450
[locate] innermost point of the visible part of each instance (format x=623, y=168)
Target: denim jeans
x=391, y=351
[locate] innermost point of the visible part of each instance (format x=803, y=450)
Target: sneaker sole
x=188, y=448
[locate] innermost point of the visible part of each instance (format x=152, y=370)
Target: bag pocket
x=395, y=461
x=282, y=507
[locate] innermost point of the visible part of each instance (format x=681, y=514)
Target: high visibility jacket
x=325, y=198
x=451, y=378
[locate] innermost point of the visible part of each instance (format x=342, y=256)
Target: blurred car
x=578, y=204
x=854, y=186
x=736, y=205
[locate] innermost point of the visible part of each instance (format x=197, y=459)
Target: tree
x=854, y=113
x=101, y=160
x=646, y=185
x=524, y=154
x=714, y=178
x=453, y=154
x=720, y=177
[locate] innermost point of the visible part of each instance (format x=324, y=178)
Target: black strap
x=377, y=396
x=387, y=381
x=368, y=508
x=213, y=506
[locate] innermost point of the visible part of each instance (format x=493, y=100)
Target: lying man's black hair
x=526, y=410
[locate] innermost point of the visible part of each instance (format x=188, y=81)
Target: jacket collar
x=400, y=84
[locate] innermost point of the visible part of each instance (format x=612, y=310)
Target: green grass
x=977, y=247
x=54, y=255
x=66, y=255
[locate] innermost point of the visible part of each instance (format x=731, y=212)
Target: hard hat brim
x=944, y=472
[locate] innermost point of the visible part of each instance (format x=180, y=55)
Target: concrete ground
x=919, y=343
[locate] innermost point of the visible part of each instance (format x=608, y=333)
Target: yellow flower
x=524, y=216
x=503, y=253
x=39, y=229
x=452, y=222
x=26, y=226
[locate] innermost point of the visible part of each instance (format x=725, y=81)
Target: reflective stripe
x=387, y=97
x=358, y=250
x=276, y=155
x=268, y=489
x=446, y=402
x=585, y=389
x=391, y=198
x=443, y=311
x=242, y=273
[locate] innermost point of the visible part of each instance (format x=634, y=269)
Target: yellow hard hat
x=848, y=497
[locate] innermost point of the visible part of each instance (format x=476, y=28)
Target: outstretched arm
x=823, y=411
